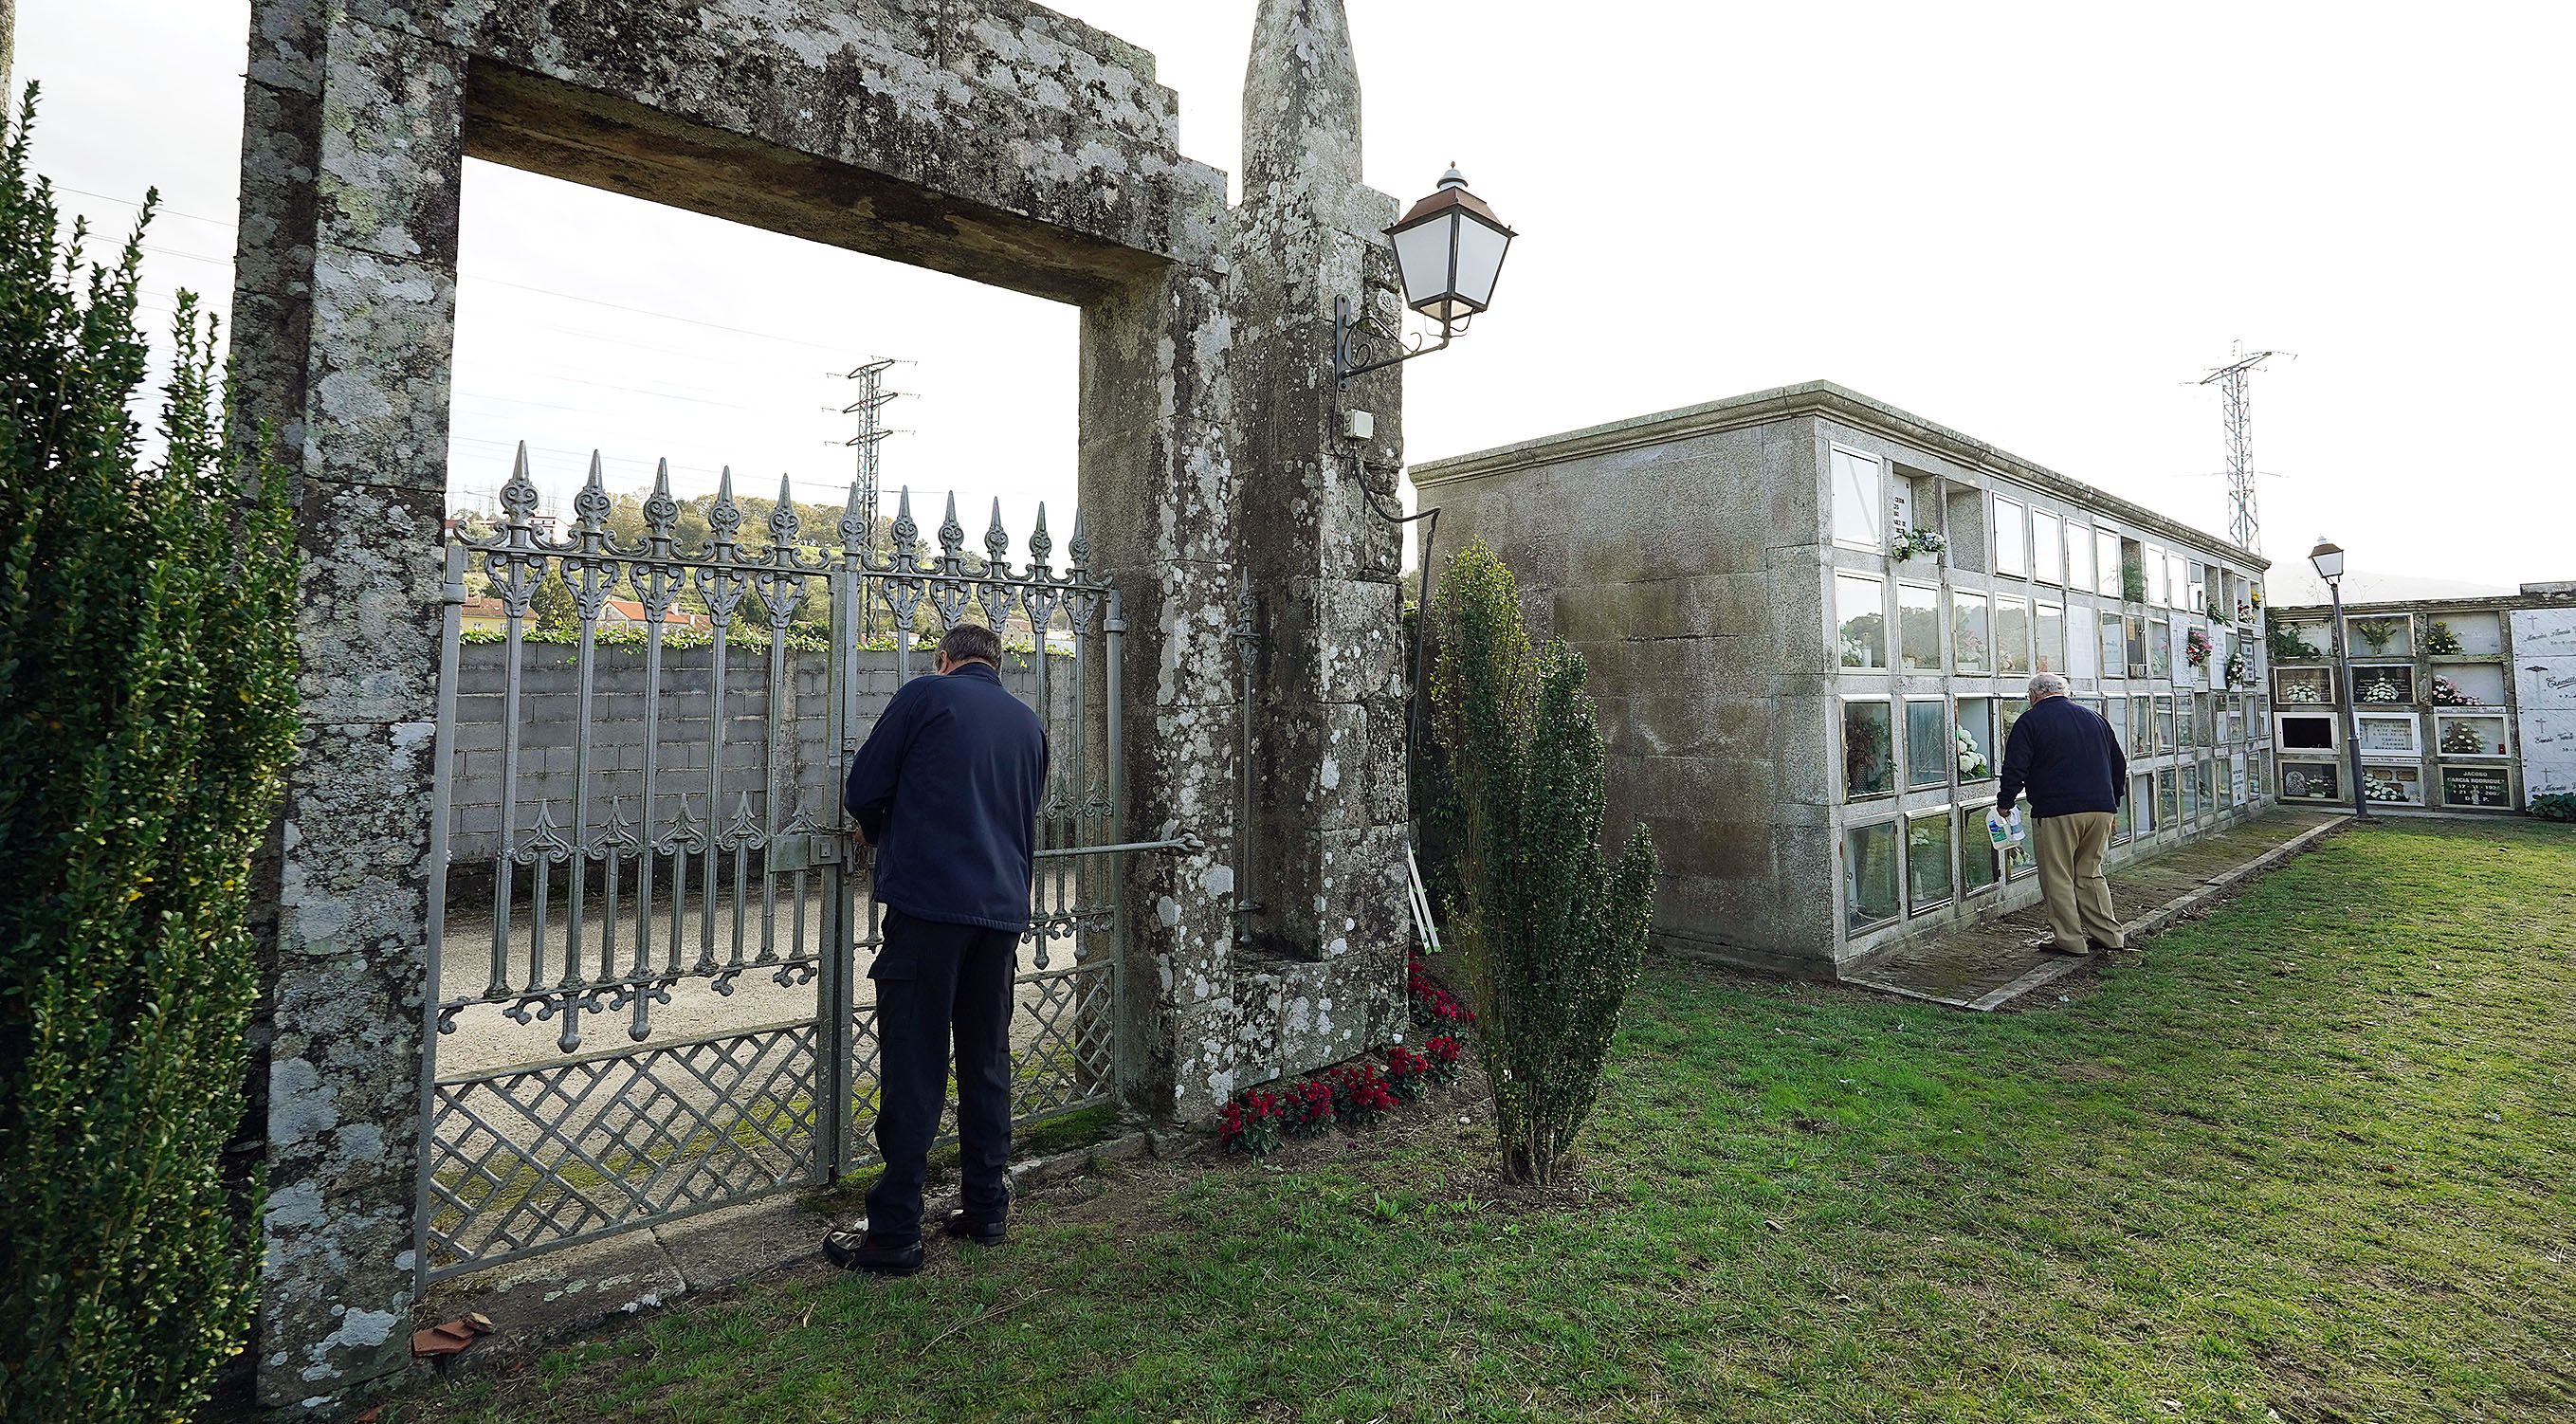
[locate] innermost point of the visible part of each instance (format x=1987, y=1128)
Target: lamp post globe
x=2328, y=559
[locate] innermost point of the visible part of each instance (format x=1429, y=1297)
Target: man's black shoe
x=982, y=1233
x=859, y=1251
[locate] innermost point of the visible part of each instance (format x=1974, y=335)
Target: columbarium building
x=1810, y=617
x=2457, y=704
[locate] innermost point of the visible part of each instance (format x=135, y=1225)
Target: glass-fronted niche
x=1929, y=882
x=1945, y=742
x=2463, y=635
x=1918, y=627
x=2293, y=686
x=2380, y=636
x=1860, y=621
x=1979, y=867
x=1861, y=503
x=1871, y=871
x=1869, y=748
x=2311, y=780
x=2470, y=735
x=2392, y=683
x=2392, y=785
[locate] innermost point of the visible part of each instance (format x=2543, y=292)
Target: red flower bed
x=1252, y=1122
x=1360, y=1093
x=1408, y=1073
x=1444, y=1053
x=1353, y=1095
x=1309, y=1108
x=1433, y=1006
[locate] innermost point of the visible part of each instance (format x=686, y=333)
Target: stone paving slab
x=1987, y=962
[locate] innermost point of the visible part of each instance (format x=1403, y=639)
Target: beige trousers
x=2069, y=850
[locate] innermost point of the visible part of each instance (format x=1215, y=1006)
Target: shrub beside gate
x=147, y=708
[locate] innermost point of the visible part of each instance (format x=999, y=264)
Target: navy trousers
x=931, y=979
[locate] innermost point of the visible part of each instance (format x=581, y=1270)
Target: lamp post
x=2328, y=559
x=1449, y=251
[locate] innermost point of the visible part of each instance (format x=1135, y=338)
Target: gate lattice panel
x=645, y=947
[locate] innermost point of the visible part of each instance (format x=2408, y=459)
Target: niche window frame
x=1876, y=501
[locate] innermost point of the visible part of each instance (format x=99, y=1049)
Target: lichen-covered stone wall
x=993, y=139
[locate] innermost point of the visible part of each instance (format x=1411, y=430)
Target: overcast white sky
x=2035, y=223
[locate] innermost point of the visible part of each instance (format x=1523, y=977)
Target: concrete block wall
x=549, y=733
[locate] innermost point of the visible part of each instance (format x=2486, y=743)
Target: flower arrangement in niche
x=2377, y=632
x=2447, y=693
x=1973, y=764
x=2385, y=788
x=2462, y=739
x=2440, y=641
x=1910, y=542
x=2195, y=647
x=2288, y=642
x=2237, y=670
x=2302, y=692
x=2382, y=688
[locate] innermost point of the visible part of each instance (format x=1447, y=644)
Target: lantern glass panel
x=1480, y=260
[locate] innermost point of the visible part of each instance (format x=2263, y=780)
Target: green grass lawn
x=2309, y=1159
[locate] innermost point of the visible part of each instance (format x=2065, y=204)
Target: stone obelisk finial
x=1301, y=101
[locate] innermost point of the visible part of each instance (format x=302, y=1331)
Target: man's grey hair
x=2046, y=684
x=972, y=643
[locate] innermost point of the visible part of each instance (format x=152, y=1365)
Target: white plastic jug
x=2005, y=831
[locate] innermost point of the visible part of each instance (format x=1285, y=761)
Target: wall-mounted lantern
x=1449, y=251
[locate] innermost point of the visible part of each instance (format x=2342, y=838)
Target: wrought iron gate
x=647, y=914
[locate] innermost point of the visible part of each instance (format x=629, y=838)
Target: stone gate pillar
x=344, y=310
x=1326, y=922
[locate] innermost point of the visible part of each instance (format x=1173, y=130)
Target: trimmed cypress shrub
x=146, y=711
x=1549, y=935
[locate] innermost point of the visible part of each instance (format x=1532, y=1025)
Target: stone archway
x=993, y=139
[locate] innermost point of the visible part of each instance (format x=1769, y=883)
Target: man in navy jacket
x=947, y=790
x=2068, y=761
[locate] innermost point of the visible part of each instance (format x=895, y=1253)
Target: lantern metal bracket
x=1361, y=342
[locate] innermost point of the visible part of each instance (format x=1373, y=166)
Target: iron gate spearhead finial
x=724, y=518
x=519, y=496
x=661, y=511
x=591, y=506
x=952, y=535
x=855, y=533
x=783, y=523
x=997, y=541
x=1039, y=544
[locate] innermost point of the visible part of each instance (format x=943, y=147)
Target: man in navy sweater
x=2066, y=759
x=946, y=789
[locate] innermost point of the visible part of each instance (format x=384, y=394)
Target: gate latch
x=803, y=850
